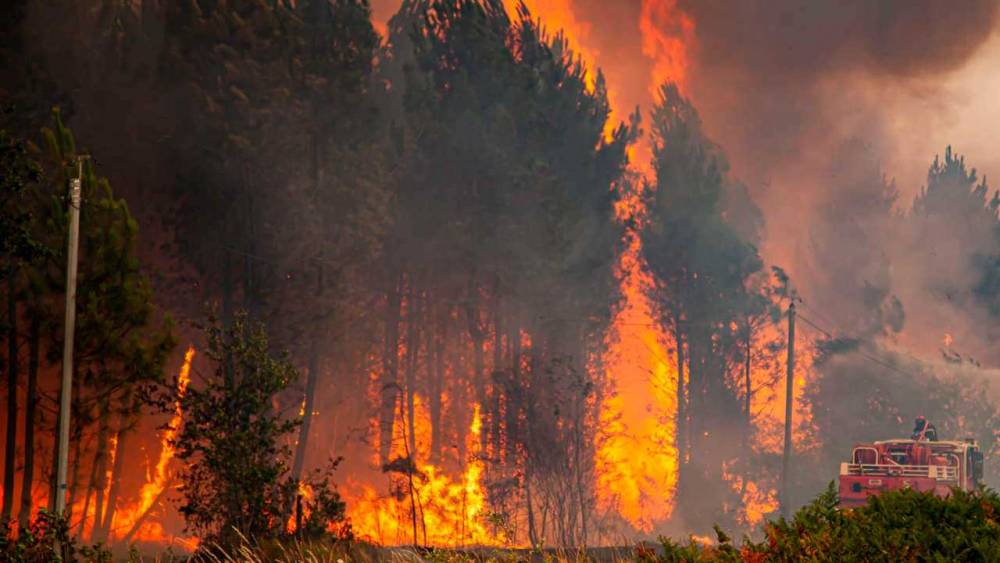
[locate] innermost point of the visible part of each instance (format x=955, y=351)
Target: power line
x=814, y=325
x=860, y=352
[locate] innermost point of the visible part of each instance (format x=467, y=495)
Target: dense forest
x=409, y=251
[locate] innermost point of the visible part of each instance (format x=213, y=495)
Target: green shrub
x=45, y=540
x=902, y=525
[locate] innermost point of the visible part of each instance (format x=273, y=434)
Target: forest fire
x=502, y=273
x=425, y=506
x=667, y=33
x=636, y=454
x=134, y=522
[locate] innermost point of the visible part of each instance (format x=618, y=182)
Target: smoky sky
x=774, y=75
x=801, y=39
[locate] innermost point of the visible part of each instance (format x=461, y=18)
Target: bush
x=47, y=539
x=899, y=525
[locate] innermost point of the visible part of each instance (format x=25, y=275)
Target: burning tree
x=504, y=206
x=699, y=243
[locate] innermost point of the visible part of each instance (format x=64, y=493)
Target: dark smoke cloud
x=772, y=73
x=800, y=39
x=784, y=86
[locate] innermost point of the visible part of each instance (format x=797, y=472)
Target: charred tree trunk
x=76, y=438
x=389, y=384
x=747, y=416
x=413, y=302
x=680, y=438
x=100, y=470
x=477, y=335
x=86, y=502
x=31, y=404
x=512, y=414
x=114, y=490
x=10, y=453
x=227, y=289
x=532, y=533
x=496, y=379
x=250, y=275
x=437, y=384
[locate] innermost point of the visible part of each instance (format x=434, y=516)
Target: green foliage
x=326, y=509
x=901, y=525
x=235, y=481
x=19, y=172
x=119, y=339
x=231, y=437
x=47, y=539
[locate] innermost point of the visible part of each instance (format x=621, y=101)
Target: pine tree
x=18, y=244
x=701, y=266
x=122, y=342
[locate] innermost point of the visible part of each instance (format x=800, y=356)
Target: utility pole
x=789, y=400
x=66, y=390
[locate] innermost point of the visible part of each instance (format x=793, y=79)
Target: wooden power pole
x=789, y=401
x=66, y=390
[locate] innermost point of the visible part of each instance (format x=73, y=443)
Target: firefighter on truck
x=923, y=463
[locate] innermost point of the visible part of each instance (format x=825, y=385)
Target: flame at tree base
x=437, y=510
x=636, y=454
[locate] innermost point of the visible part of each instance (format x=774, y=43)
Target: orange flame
x=305, y=492
x=666, y=33
x=636, y=454
x=559, y=15
x=449, y=511
x=160, y=479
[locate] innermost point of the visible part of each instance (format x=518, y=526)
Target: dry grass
x=297, y=551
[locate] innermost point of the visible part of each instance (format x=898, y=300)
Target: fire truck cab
x=921, y=465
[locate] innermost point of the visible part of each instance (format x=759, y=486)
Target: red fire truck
x=922, y=465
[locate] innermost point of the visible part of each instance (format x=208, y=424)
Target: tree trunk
x=437, y=384
x=116, y=479
x=251, y=275
x=532, y=533
x=514, y=401
x=227, y=289
x=747, y=417
x=476, y=334
x=497, y=375
x=412, y=350
x=682, y=414
x=389, y=385
x=10, y=453
x=77, y=440
x=86, y=502
x=100, y=469
x=31, y=403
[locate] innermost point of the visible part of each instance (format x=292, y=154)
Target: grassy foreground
x=898, y=526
